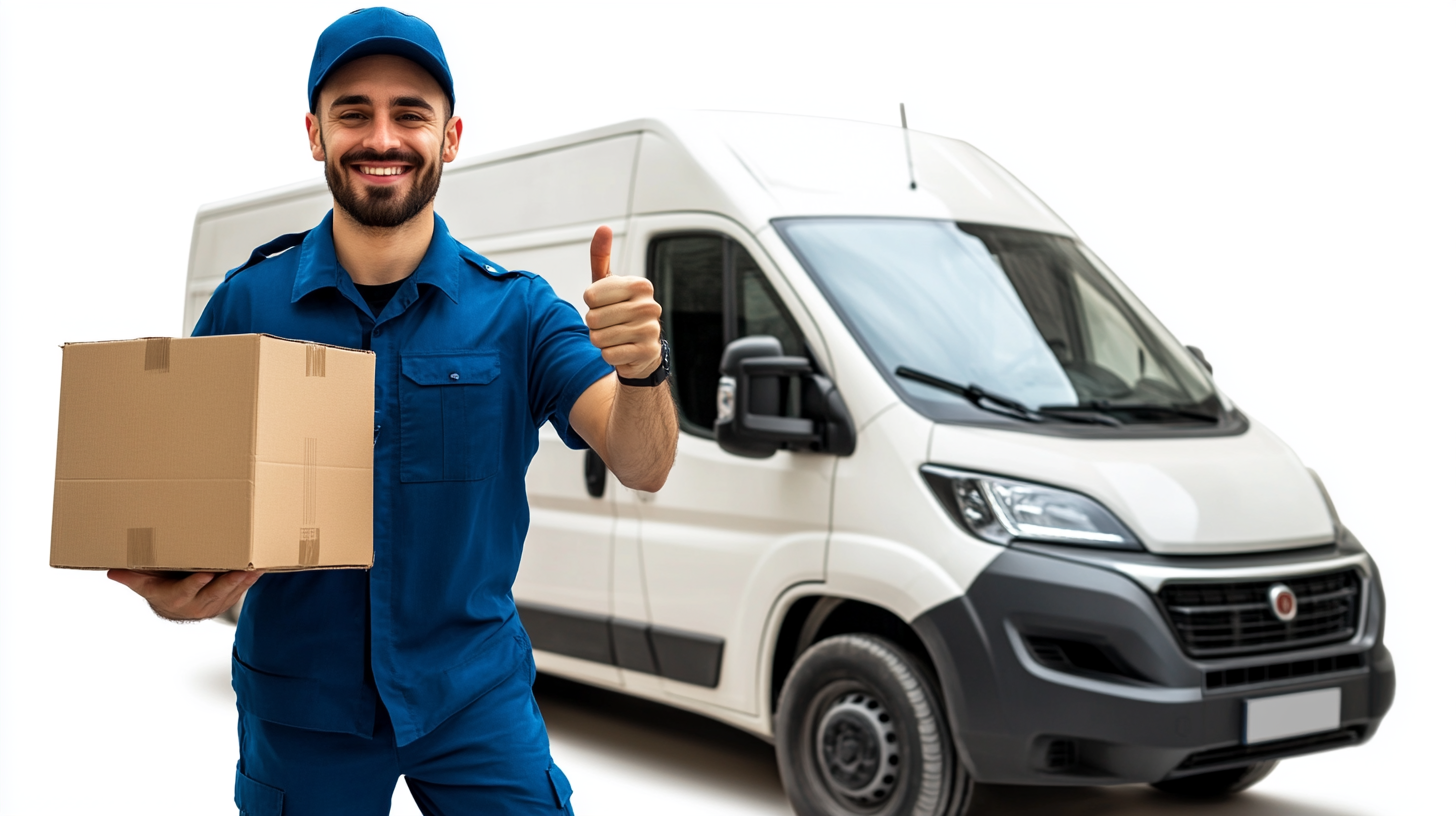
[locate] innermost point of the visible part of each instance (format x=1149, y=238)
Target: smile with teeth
x=381, y=171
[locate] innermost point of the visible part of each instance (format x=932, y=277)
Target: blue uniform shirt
x=472, y=361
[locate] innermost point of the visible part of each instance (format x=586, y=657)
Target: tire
x=861, y=731
x=1214, y=784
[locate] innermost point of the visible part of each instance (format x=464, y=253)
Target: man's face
x=383, y=131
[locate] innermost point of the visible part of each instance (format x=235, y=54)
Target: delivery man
x=419, y=667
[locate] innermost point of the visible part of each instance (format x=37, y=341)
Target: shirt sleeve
x=209, y=323
x=206, y=324
x=563, y=361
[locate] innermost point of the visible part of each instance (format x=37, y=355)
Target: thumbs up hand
x=621, y=314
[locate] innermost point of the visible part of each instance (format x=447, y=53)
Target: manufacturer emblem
x=1283, y=603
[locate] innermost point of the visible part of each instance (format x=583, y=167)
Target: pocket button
x=454, y=375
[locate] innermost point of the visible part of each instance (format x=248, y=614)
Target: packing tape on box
x=310, y=481
x=308, y=535
x=308, y=546
x=159, y=354
x=315, y=357
x=141, y=550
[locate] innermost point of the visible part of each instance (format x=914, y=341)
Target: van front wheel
x=861, y=732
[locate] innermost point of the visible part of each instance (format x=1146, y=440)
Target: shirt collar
x=318, y=262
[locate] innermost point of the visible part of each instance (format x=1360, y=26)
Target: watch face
x=666, y=358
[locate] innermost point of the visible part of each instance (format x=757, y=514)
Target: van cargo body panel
x=1245, y=493
x=580, y=184
x=1063, y=673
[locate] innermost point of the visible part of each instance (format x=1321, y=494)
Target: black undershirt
x=377, y=297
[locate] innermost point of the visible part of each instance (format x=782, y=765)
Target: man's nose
x=383, y=135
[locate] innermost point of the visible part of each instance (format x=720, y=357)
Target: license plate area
x=1291, y=715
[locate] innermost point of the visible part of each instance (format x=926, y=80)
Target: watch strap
x=664, y=367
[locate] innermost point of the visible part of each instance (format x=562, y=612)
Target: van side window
x=711, y=293
x=759, y=309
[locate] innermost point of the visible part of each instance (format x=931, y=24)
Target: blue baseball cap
x=378, y=30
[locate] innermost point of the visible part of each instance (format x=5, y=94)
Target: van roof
x=754, y=167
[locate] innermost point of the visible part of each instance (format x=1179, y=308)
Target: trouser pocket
x=560, y=786
x=253, y=798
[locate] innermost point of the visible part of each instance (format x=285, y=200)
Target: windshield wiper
x=1079, y=415
x=1103, y=406
x=976, y=396
x=1006, y=406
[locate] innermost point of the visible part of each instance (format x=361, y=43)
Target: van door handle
x=596, y=475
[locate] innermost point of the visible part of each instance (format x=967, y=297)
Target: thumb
x=601, y=253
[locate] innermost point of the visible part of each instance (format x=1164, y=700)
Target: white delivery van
x=949, y=504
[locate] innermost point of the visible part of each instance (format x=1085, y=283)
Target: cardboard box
x=214, y=453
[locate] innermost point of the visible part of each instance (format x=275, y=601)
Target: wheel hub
x=859, y=752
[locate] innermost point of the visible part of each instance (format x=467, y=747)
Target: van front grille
x=1279, y=672
x=1228, y=619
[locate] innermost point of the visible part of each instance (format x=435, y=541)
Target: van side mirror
x=753, y=421
x=1198, y=352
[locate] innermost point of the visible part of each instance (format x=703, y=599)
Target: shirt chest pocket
x=450, y=411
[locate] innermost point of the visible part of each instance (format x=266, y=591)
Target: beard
x=383, y=207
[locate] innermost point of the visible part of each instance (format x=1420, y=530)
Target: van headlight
x=1002, y=510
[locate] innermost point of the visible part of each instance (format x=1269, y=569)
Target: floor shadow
x=1130, y=800
x=688, y=746
x=713, y=755
x=217, y=683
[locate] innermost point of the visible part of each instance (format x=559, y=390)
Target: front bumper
x=1134, y=708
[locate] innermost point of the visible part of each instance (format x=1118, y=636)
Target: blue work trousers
x=492, y=757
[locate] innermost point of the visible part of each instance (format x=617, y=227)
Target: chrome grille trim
x=1153, y=576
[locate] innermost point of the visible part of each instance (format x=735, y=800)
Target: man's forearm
x=641, y=435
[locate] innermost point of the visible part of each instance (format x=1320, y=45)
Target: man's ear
x=315, y=136
x=451, y=148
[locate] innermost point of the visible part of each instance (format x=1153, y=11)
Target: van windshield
x=1029, y=317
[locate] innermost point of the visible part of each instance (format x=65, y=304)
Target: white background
x=1276, y=180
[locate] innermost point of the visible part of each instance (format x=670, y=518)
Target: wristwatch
x=655, y=378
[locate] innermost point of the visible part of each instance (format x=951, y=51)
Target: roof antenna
x=909, y=161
